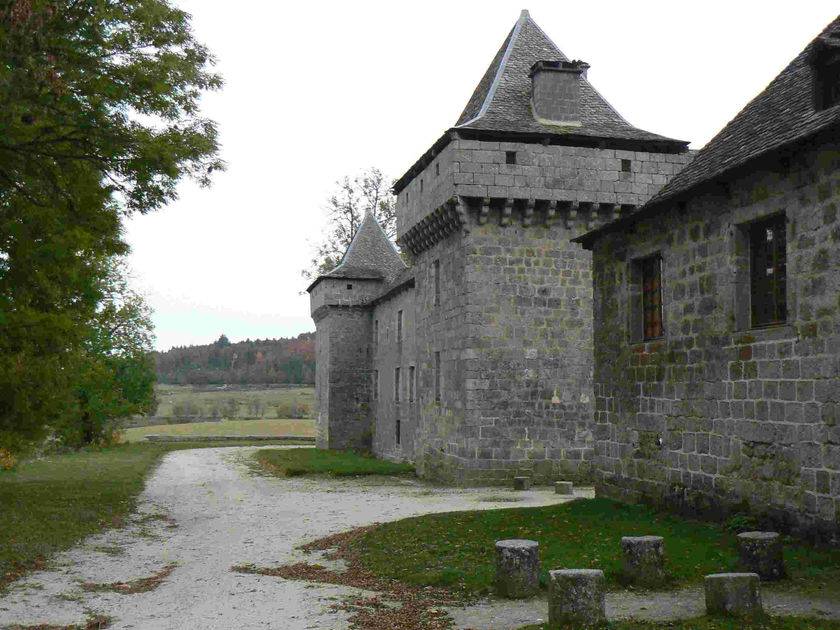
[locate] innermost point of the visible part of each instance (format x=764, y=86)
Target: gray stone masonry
x=643, y=560
x=761, y=552
x=717, y=417
x=521, y=483
x=576, y=598
x=735, y=594
x=564, y=487
x=517, y=568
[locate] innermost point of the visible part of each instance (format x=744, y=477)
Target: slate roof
x=502, y=99
x=370, y=256
x=501, y=104
x=783, y=113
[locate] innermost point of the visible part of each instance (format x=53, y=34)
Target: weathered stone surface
x=521, y=483
x=517, y=568
x=576, y=598
x=564, y=488
x=736, y=594
x=761, y=552
x=644, y=560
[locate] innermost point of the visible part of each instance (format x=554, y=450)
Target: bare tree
x=345, y=209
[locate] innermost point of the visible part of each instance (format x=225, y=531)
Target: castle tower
x=340, y=303
x=482, y=349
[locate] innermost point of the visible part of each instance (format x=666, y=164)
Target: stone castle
x=491, y=355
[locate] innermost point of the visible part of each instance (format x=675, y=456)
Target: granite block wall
x=718, y=417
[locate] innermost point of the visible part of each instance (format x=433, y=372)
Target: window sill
x=773, y=332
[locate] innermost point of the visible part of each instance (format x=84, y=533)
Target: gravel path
x=204, y=512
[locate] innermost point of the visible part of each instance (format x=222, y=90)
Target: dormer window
x=826, y=64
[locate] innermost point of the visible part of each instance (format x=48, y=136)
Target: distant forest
x=263, y=361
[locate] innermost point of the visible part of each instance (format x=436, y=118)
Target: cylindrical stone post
x=566, y=488
x=761, y=552
x=521, y=483
x=576, y=598
x=736, y=594
x=517, y=568
x=644, y=560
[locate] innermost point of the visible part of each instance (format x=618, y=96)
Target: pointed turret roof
x=501, y=105
x=370, y=256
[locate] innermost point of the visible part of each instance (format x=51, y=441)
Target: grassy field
x=456, y=550
x=712, y=623
x=226, y=427
x=184, y=403
x=49, y=504
x=311, y=461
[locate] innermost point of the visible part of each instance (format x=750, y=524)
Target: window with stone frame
x=768, y=271
x=411, y=383
x=399, y=327
x=397, y=431
x=646, y=320
x=397, y=385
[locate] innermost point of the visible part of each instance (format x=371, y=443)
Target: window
x=376, y=333
x=651, y=274
x=437, y=169
x=626, y=165
x=421, y=184
x=349, y=286
x=376, y=384
x=396, y=384
x=510, y=157
x=399, y=326
x=436, y=271
x=437, y=376
x=768, y=272
x=411, y=383
x=397, y=435
x=827, y=77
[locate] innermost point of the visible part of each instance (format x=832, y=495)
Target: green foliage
x=311, y=461
x=99, y=119
x=582, y=534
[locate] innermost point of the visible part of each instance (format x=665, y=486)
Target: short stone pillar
x=576, y=598
x=761, y=552
x=517, y=568
x=564, y=487
x=735, y=594
x=644, y=560
x=521, y=483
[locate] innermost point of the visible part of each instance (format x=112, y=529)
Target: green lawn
x=302, y=427
x=713, y=623
x=312, y=461
x=49, y=504
x=456, y=550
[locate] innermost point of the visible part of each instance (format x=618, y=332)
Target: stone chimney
x=555, y=91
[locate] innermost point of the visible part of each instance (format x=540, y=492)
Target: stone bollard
x=521, y=483
x=735, y=594
x=644, y=560
x=564, y=487
x=576, y=598
x=761, y=552
x=517, y=568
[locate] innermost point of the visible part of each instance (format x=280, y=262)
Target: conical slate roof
x=502, y=100
x=371, y=255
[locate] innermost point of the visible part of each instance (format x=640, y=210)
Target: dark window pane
x=652, y=297
x=768, y=272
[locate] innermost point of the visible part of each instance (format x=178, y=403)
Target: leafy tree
x=345, y=209
x=100, y=119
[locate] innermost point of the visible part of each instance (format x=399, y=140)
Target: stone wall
x=717, y=417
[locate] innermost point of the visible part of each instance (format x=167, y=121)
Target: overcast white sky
x=317, y=90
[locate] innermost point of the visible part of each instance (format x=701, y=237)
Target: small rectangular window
x=768, y=272
x=437, y=282
x=411, y=384
x=349, y=286
x=399, y=326
x=376, y=384
x=651, y=275
x=397, y=431
x=396, y=384
x=376, y=333
x=421, y=185
x=510, y=157
x=437, y=169
x=626, y=165
x=437, y=376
